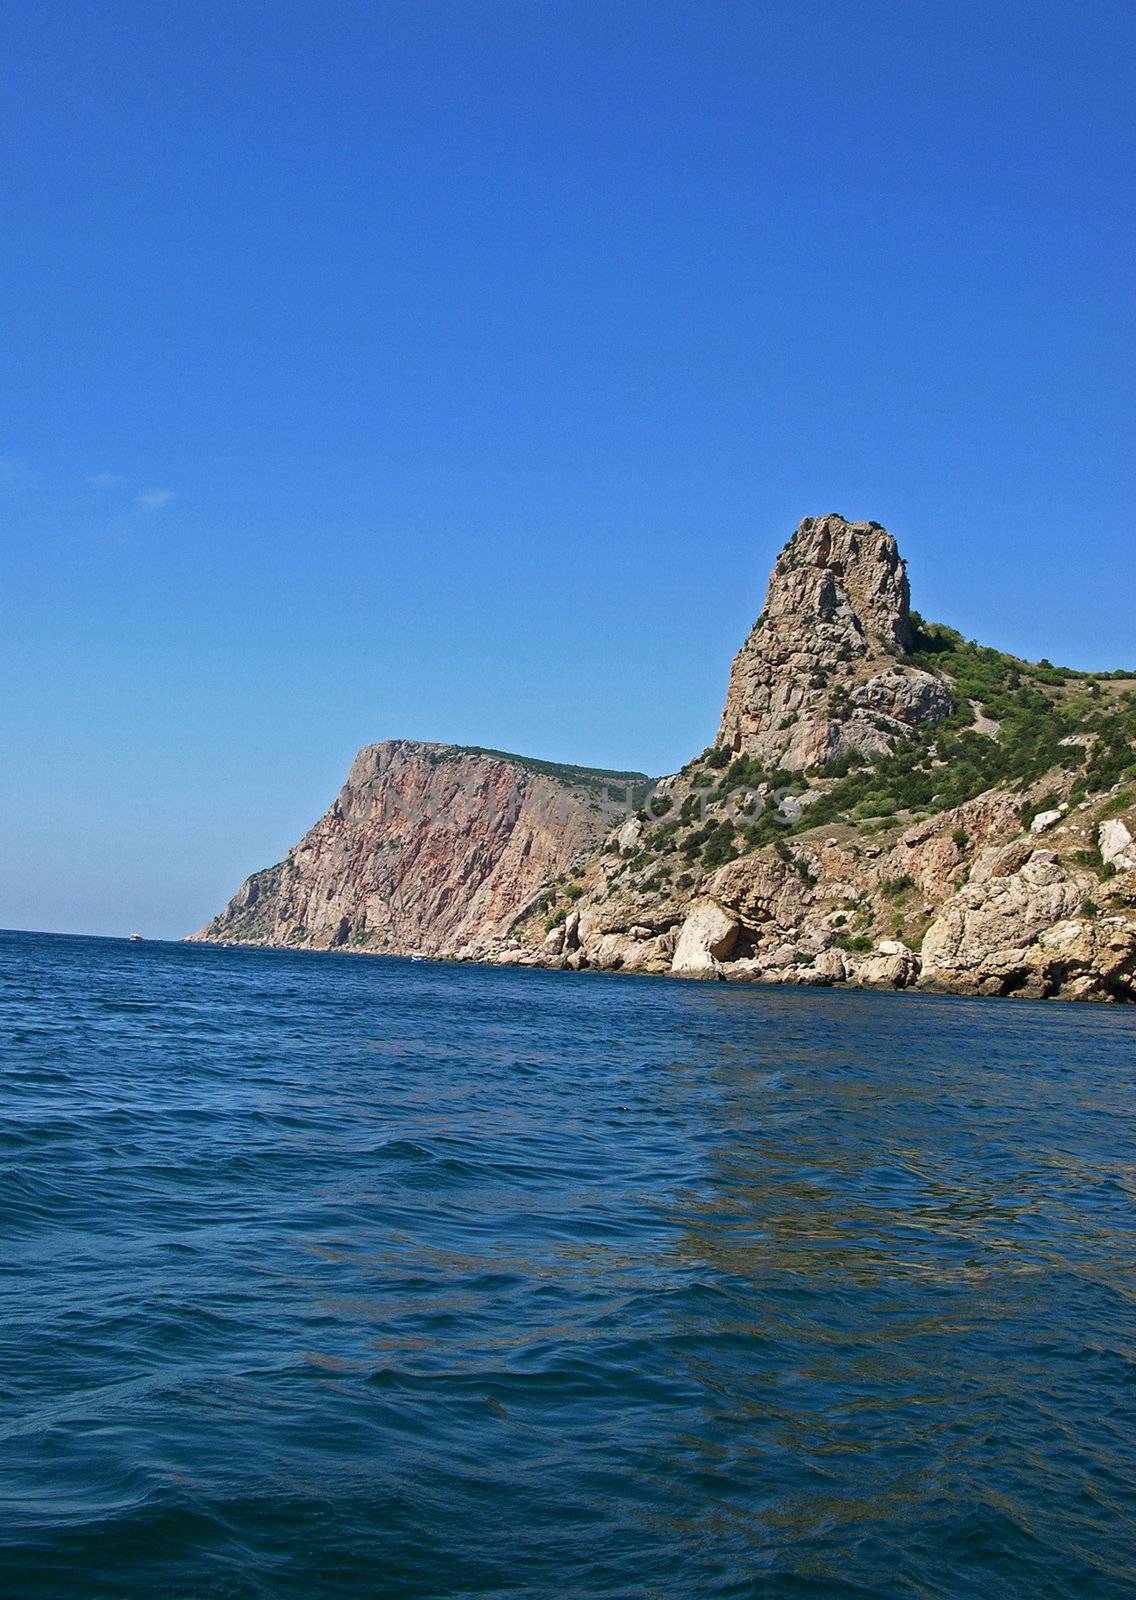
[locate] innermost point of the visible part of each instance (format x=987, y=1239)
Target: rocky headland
x=885, y=804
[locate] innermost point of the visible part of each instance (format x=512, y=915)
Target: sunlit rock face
x=1028, y=887
x=822, y=671
x=427, y=848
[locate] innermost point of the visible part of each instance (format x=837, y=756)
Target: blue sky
x=455, y=370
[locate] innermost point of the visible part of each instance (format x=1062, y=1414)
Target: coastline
x=791, y=980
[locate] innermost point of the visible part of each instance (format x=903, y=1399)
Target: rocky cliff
x=884, y=804
x=824, y=670
x=427, y=849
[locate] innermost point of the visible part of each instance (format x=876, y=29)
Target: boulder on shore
x=708, y=937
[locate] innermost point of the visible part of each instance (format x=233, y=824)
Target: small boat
x=136, y=938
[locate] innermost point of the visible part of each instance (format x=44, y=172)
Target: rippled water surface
x=345, y=1277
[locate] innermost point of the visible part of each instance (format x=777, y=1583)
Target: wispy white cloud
x=108, y=491
x=153, y=499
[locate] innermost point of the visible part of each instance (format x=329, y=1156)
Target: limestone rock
x=745, y=970
x=810, y=977
x=982, y=935
x=760, y=889
x=1044, y=821
x=630, y=834
x=1086, y=958
x=831, y=965
x=1117, y=846
x=708, y=936
x=609, y=953
x=822, y=671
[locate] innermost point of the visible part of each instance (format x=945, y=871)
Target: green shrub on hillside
x=721, y=845
x=745, y=772
x=1112, y=757
x=941, y=767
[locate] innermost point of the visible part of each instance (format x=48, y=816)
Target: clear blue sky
x=455, y=370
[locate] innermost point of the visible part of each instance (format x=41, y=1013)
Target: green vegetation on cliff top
x=1039, y=708
x=583, y=777
x=1035, y=718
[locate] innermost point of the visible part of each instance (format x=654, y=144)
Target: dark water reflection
x=330, y=1277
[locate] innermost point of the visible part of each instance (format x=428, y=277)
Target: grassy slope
x=1037, y=705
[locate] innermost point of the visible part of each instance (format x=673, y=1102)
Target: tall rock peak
x=823, y=671
x=851, y=577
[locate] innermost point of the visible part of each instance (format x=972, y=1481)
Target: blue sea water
x=346, y=1277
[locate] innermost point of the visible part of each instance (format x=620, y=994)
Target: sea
x=337, y=1276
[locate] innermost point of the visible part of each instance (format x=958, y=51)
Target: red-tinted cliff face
x=427, y=848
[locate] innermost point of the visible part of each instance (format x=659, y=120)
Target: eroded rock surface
x=708, y=935
x=822, y=672
x=1027, y=888
x=427, y=848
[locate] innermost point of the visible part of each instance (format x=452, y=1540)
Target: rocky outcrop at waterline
x=884, y=804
